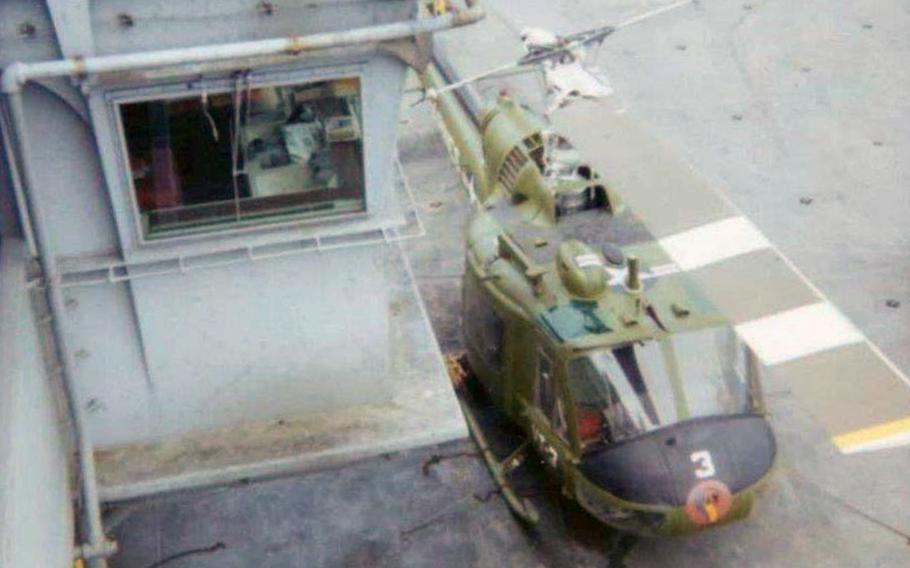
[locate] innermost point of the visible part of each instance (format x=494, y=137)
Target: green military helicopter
x=626, y=380
x=635, y=390
x=628, y=338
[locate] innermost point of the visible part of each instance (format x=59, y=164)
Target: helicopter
x=635, y=390
x=636, y=380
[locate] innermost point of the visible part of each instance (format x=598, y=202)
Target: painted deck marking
x=713, y=242
x=878, y=437
x=795, y=333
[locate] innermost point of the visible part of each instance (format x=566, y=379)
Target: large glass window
x=655, y=383
x=246, y=155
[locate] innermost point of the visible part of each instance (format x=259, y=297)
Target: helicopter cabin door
x=484, y=335
x=549, y=425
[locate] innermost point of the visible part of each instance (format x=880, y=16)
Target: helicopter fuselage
x=655, y=478
x=631, y=386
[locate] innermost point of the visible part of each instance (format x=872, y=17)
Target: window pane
x=246, y=156
x=711, y=364
x=597, y=384
x=655, y=383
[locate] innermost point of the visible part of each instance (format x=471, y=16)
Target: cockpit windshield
x=646, y=385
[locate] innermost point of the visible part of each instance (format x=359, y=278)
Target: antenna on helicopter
x=563, y=59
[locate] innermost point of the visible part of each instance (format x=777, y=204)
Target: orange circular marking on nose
x=708, y=502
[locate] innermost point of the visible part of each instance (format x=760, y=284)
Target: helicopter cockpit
x=622, y=392
x=658, y=418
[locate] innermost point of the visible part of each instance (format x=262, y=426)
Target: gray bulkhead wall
x=242, y=343
x=171, y=354
x=36, y=520
x=157, y=24
x=17, y=17
x=36, y=515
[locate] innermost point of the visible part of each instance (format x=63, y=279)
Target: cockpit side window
x=599, y=412
x=625, y=356
x=548, y=397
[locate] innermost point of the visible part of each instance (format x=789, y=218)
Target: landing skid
x=500, y=469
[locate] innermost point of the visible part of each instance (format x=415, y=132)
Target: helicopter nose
x=703, y=462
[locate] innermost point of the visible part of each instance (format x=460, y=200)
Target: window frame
x=573, y=401
x=558, y=415
x=174, y=88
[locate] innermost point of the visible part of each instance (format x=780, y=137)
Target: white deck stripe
x=713, y=242
x=795, y=333
x=661, y=270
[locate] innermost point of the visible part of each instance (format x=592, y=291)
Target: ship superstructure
x=201, y=210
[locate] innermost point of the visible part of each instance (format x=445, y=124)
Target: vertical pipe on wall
x=98, y=546
x=25, y=221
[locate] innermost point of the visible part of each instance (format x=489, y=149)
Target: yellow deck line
x=868, y=438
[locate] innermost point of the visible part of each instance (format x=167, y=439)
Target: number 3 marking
x=705, y=467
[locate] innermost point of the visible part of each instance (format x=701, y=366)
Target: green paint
x=552, y=298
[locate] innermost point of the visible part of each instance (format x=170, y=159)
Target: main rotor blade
x=573, y=41
x=479, y=76
x=652, y=13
